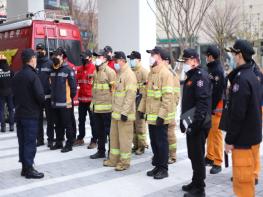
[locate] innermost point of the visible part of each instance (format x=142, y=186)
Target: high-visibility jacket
x=176, y=86
x=84, y=79
x=103, y=84
x=141, y=75
x=124, y=94
x=159, y=98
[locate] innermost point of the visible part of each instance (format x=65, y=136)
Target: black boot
x=98, y=155
x=23, y=171
x=40, y=143
x=66, y=148
x=195, y=192
x=152, y=172
x=56, y=146
x=49, y=144
x=188, y=187
x=215, y=169
x=31, y=173
x=162, y=173
x=11, y=128
x=3, y=130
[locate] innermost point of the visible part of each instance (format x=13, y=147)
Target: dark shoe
x=11, y=128
x=98, y=155
x=49, y=144
x=31, y=173
x=209, y=162
x=40, y=143
x=152, y=172
x=215, y=169
x=66, y=149
x=23, y=171
x=195, y=192
x=161, y=174
x=140, y=151
x=92, y=145
x=3, y=130
x=56, y=146
x=188, y=187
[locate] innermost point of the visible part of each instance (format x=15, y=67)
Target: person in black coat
x=28, y=99
x=6, y=94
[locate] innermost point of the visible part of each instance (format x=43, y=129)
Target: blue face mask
x=133, y=63
x=117, y=67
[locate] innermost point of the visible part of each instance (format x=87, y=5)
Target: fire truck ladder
x=48, y=38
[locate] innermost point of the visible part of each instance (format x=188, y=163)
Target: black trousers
x=63, y=121
x=159, y=144
x=50, y=123
x=196, y=153
x=84, y=108
x=102, y=126
x=73, y=121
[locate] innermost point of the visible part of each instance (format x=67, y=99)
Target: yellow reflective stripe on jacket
x=172, y=146
x=125, y=155
x=115, y=151
x=154, y=93
x=153, y=117
x=150, y=93
x=102, y=107
x=101, y=86
x=120, y=93
x=167, y=89
x=141, y=136
x=117, y=116
x=177, y=90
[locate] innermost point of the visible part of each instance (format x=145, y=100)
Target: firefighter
x=244, y=125
x=214, y=156
x=197, y=97
x=101, y=106
x=157, y=106
x=171, y=127
x=139, y=139
x=6, y=95
x=44, y=66
x=109, y=53
x=63, y=90
x=123, y=115
x=29, y=97
x=84, y=80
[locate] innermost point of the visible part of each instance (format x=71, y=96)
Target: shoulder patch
x=235, y=87
x=200, y=83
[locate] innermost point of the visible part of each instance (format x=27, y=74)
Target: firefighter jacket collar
x=137, y=67
x=102, y=67
x=232, y=75
x=158, y=68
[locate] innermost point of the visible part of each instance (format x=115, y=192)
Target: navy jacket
x=63, y=86
x=244, y=125
x=28, y=93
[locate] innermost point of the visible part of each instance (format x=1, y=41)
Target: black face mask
x=40, y=54
x=56, y=61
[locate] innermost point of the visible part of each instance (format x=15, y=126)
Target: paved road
x=74, y=174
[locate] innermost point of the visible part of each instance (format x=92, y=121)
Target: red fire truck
x=54, y=32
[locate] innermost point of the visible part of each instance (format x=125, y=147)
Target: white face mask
x=98, y=62
x=152, y=61
x=186, y=67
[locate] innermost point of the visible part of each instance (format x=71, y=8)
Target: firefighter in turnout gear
x=172, y=125
x=139, y=138
x=157, y=106
x=244, y=125
x=123, y=115
x=214, y=154
x=101, y=105
x=196, y=102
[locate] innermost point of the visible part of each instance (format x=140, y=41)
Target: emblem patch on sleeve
x=235, y=87
x=200, y=83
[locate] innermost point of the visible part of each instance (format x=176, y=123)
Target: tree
x=86, y=17
x=181, y=19
x=221, y=24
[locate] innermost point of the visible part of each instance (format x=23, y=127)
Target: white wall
x=126, y=25
x=22, y=7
